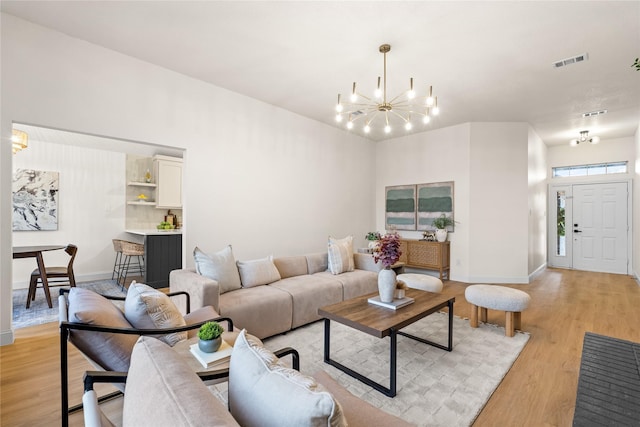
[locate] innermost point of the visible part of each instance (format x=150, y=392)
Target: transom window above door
x=590, y=170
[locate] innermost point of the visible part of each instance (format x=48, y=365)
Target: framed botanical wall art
x=400, y=207
x=35, y=200
x=433, y=200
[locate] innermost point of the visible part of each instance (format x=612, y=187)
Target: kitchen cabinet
x=162, y=254
x=168, y=171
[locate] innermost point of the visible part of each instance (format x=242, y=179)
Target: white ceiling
x=487, y=61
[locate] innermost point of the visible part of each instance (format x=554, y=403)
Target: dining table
x=36, y=252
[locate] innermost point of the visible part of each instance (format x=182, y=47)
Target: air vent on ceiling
x=573, y=60
x=594, y=113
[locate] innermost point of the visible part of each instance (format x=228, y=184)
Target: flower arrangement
x=387, y=251
x=373, y=235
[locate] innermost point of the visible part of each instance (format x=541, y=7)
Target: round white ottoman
x=511, y=301
x=423, y=282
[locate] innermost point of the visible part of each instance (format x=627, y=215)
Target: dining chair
x=61, y=276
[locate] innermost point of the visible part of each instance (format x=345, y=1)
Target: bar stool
x=59, y=276
x=117, y=264
x=135, y=251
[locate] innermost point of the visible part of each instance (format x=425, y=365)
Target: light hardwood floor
x=539, y=390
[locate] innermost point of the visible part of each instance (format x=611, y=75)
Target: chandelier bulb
x=411, y=93
x=436, y=109
x=574, y=142
x=339, y=106
x=595, y=139
x=387, y=129
x=378, y=92
x=354, y=95
x=426, y=119
x=338, y=118
x=349, y=124
x=408, y=126
x=367, y=128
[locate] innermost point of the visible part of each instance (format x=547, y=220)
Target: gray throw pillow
x=220, y=267
x=258, y=272
x=111, y=351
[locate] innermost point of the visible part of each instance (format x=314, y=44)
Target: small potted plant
x=210, y=335
x=373, y=237
x=441, y=223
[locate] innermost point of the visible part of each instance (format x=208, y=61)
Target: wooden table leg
x=473, y=321
x=43, y=277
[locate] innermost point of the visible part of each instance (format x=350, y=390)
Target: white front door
x=596, y=230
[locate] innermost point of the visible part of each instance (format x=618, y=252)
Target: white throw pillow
x=220, y=267
x=265, y=393
x=148, y=308
x=258, y=272
x=340, y=253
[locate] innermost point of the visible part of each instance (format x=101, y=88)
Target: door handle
x=577, y=231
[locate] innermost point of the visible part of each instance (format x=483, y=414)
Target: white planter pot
x=441, y=235
x=386, y=284
x=373, y=244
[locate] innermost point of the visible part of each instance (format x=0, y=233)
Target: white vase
x=386, y=284
x=441, y=234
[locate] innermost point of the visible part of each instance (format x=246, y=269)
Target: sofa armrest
x=365, y=262
x=202, y=290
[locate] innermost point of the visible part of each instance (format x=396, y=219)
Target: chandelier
x=19, y=140
x=382, y=110
x=584, y=137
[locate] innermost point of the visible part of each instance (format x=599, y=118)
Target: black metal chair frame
x=67, y=327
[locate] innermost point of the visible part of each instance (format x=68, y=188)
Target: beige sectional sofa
x=305, y=285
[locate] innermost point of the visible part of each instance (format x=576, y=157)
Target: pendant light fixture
x=381, y=111
x=584, y=137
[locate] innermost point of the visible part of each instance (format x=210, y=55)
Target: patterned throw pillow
x=265, y=393
x=148, y=308
x=340, y=255
x=220, y=267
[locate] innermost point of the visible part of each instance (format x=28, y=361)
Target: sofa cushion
x=262, y=310
x=264, y=393
x=162, y=390
x=340, y=255
x=354, y=283
x=148, y=308
x=111, y=351
x=291, y=266
x=220, y=267
x=309, y=293
x=258, y=272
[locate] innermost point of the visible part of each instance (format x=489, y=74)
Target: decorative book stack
x=209, y=360
x=393, y=305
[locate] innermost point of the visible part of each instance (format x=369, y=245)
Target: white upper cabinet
x=168, y=171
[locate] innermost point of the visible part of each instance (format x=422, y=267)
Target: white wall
x=499, y=203
x=90, y=208
x=537, y=203
x=608, y=150
x=435, y=156
x=261, y=178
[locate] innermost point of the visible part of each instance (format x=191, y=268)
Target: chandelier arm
x=406, y=119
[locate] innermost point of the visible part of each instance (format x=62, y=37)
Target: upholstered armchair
x=106, y=333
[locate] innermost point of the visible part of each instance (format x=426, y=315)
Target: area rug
x=40, y=313
x=434, y=387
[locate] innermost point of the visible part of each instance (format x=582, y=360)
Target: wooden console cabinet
x=427, y=255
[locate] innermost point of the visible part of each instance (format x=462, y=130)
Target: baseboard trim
x=6, y=337
x=79, y=279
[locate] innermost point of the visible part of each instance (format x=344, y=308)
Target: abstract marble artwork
x=35, y=200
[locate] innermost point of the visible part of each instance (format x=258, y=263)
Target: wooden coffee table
x=381, y=322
